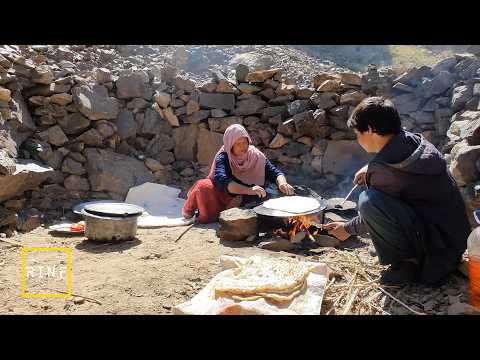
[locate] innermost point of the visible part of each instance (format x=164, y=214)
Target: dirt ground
x=152, y=273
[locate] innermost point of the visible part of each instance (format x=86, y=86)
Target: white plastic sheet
x=161, y=203
x=308, y=302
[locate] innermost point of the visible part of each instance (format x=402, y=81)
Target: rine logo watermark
x=46, y=268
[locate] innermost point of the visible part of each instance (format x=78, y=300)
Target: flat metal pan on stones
x=335, y=204
x=113, y=209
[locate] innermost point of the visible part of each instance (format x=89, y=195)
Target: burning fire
x=297, y=224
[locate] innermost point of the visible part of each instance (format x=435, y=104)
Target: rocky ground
x=153, y=273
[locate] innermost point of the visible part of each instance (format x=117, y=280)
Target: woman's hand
x=259, y=191
x=286, y=188
x=360, y=176
x=337, y=229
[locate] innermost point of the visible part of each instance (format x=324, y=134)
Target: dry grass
x=353, y=288
x=407, y=56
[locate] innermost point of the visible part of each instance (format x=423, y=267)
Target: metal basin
x=111, y=229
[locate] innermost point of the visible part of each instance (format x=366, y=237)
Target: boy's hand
x=337, y=230
x=360, y=176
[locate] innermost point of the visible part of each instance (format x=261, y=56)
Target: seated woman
x=238, y=173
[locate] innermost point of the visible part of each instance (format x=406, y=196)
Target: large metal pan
x=117, y=209
x=262, y=210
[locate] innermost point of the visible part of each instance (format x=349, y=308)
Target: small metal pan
x=335, y=204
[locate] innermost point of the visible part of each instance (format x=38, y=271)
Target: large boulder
x=95, y=103
x=439, y=84
x=133, y=84
x=114, y=173
x=185, y=138
x=237, y=224
x=28, y=175
x=344, y=158
x=462, y=165
x=208, y=144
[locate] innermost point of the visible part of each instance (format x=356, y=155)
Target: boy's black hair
x=378, y=113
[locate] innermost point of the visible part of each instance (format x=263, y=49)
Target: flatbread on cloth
x=292, y=204
x=260, y=275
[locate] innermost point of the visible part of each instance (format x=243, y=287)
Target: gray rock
x=77, y=183
x=133, y=84
x=154, y=124
x=165, y=157
x=114, y=173
x=241, y=72
x=208, y=143
x=237, y=224
x=439, y=84
x=91, y=137
x=74, y=124
x=8, y=218
x=196, y=117
x=326, y=241
x=185, y=138
x=29, y=175
x=402, y=87
x=126, y=125
x=325, y=100
x=352, y=97
x=344, y=158
x=42, y=75
x=472, y=104
x=461, y=94
x=444, y=65
x=422, y=117
x=221, y=124
x=309, y=122
x=73, y=167
x=217, y=101
x=103, y=75
x=406, y=103
x=272, y=111
x=184, y=84
x=77, y=157
x=462, y=165
x=138, y=103
x=297, y=107
x=277, y=244
x=218, y=113
x=161, y=142
x=95, y=103
x=431, y=105
x=249, y=107
x=29, y=219
x=54, y=135
x=467, y=68
x=442, y=120
x=295, y=149
x=338, y=117
x=106, y=128
x=281, y=100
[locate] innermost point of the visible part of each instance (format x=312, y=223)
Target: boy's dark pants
x=393, y=225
